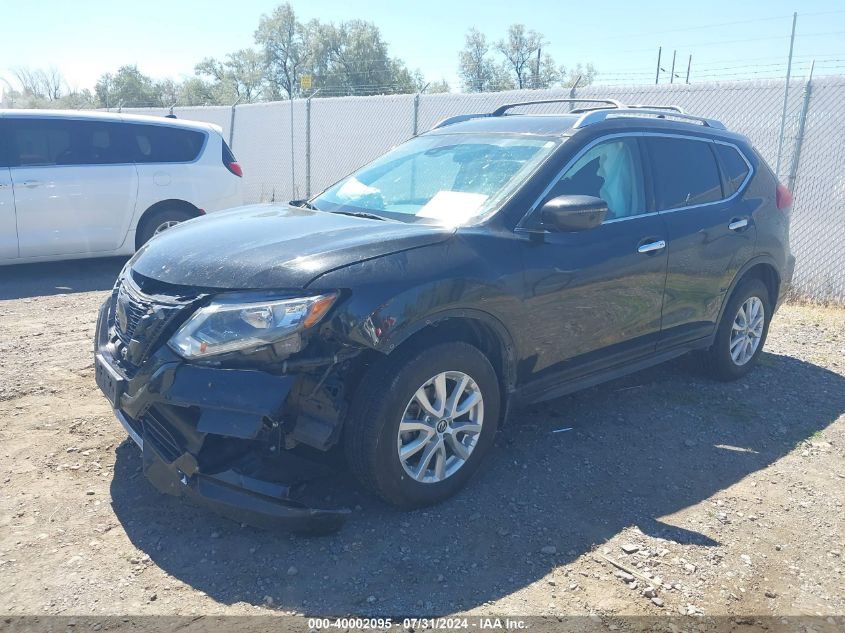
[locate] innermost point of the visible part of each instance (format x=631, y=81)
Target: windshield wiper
x=362, y=214
x=303, y=204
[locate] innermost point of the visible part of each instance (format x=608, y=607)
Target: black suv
x=404, y=312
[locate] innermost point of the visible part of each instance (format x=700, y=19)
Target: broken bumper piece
x=232, y=493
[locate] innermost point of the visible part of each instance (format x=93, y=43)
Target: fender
x=397, y=337
x=757, y=259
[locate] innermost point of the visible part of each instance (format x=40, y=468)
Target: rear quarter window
x=685, y=172
x=734, y=167
x=163, y=144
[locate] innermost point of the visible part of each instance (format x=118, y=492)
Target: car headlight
x=230, y=326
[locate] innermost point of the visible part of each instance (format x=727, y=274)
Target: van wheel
x=742, y=332
x=421, y=423
x=158, y=222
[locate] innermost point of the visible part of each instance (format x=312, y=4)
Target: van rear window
x=162, y=144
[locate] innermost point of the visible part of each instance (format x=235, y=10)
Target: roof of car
x=107, y=116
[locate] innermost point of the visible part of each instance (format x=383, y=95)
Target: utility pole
x=786, y=95
x=657, y=74
x=672, y=74
x=689, y=65
x=537, y=76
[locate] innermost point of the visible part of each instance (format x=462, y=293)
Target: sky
x=166, y=38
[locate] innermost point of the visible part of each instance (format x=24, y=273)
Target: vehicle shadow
x=21, y=281
x=639, y=449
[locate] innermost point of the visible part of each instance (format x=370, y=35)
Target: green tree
x=194, y=91
x=478, y=72
x=282, y=40
x=128, y=87
x=240, y=77
x=436, y=87
x=353, y=58
x=586, y=73
x=520, y=49
x=77, y=100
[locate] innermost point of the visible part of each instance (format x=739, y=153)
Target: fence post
x=416, y=113
x=292, y=155
x=802, y=120
x=572, y=91
x=231, y=122
x=308, y=143
x=785, y=96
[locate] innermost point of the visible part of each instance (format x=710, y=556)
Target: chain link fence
x=290, y=150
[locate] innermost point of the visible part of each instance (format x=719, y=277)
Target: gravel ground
x=711, y=498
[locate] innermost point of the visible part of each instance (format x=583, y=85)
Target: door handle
x=652, y=247
x=736, y=225
x=31, y=184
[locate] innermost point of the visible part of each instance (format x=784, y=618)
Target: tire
x=388, y=393
x=152, y=223
x=719, y=360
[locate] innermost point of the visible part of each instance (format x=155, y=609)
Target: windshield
x=449, y=179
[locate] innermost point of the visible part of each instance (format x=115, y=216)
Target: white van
x=93, y=184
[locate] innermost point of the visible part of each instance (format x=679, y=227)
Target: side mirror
x=573, y=213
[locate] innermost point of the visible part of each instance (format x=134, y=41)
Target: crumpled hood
x=273, y=246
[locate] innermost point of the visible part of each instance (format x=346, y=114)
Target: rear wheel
x=158, y=222
x=742, y=332
x=422, y=423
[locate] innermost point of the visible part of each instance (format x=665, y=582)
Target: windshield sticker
x=453, y=207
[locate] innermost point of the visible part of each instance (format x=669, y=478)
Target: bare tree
x=53, y=82
x=39, y=83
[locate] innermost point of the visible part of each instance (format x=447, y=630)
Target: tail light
x=235, y=168
x=231, y=162
x=783, y=197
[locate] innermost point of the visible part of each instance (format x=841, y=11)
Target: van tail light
x=235, y=168
x=783, y=197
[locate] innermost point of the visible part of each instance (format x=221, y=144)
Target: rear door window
x=45, y=142
x=164, y=144
x=685, y=172
x=37, y=142
x=734, y=168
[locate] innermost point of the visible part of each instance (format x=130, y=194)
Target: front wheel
x=741, y=333
x=421, y=423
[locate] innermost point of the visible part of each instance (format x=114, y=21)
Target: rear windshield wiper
x=303, y=204
x=362, y=214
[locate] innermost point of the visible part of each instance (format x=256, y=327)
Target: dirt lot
x=728, y=499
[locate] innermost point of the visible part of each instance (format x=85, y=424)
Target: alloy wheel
x=747, y=330
x=440, y=427
x=161, y=228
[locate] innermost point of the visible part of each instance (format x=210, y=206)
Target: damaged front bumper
x=210, y=433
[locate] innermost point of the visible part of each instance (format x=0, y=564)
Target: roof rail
x=589, y=116
x=458, y=118
x=502, y=109
x=674, y=108
x=597, y=116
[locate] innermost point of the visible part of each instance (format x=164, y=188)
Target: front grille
x=141, y=321
x=131, y=307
